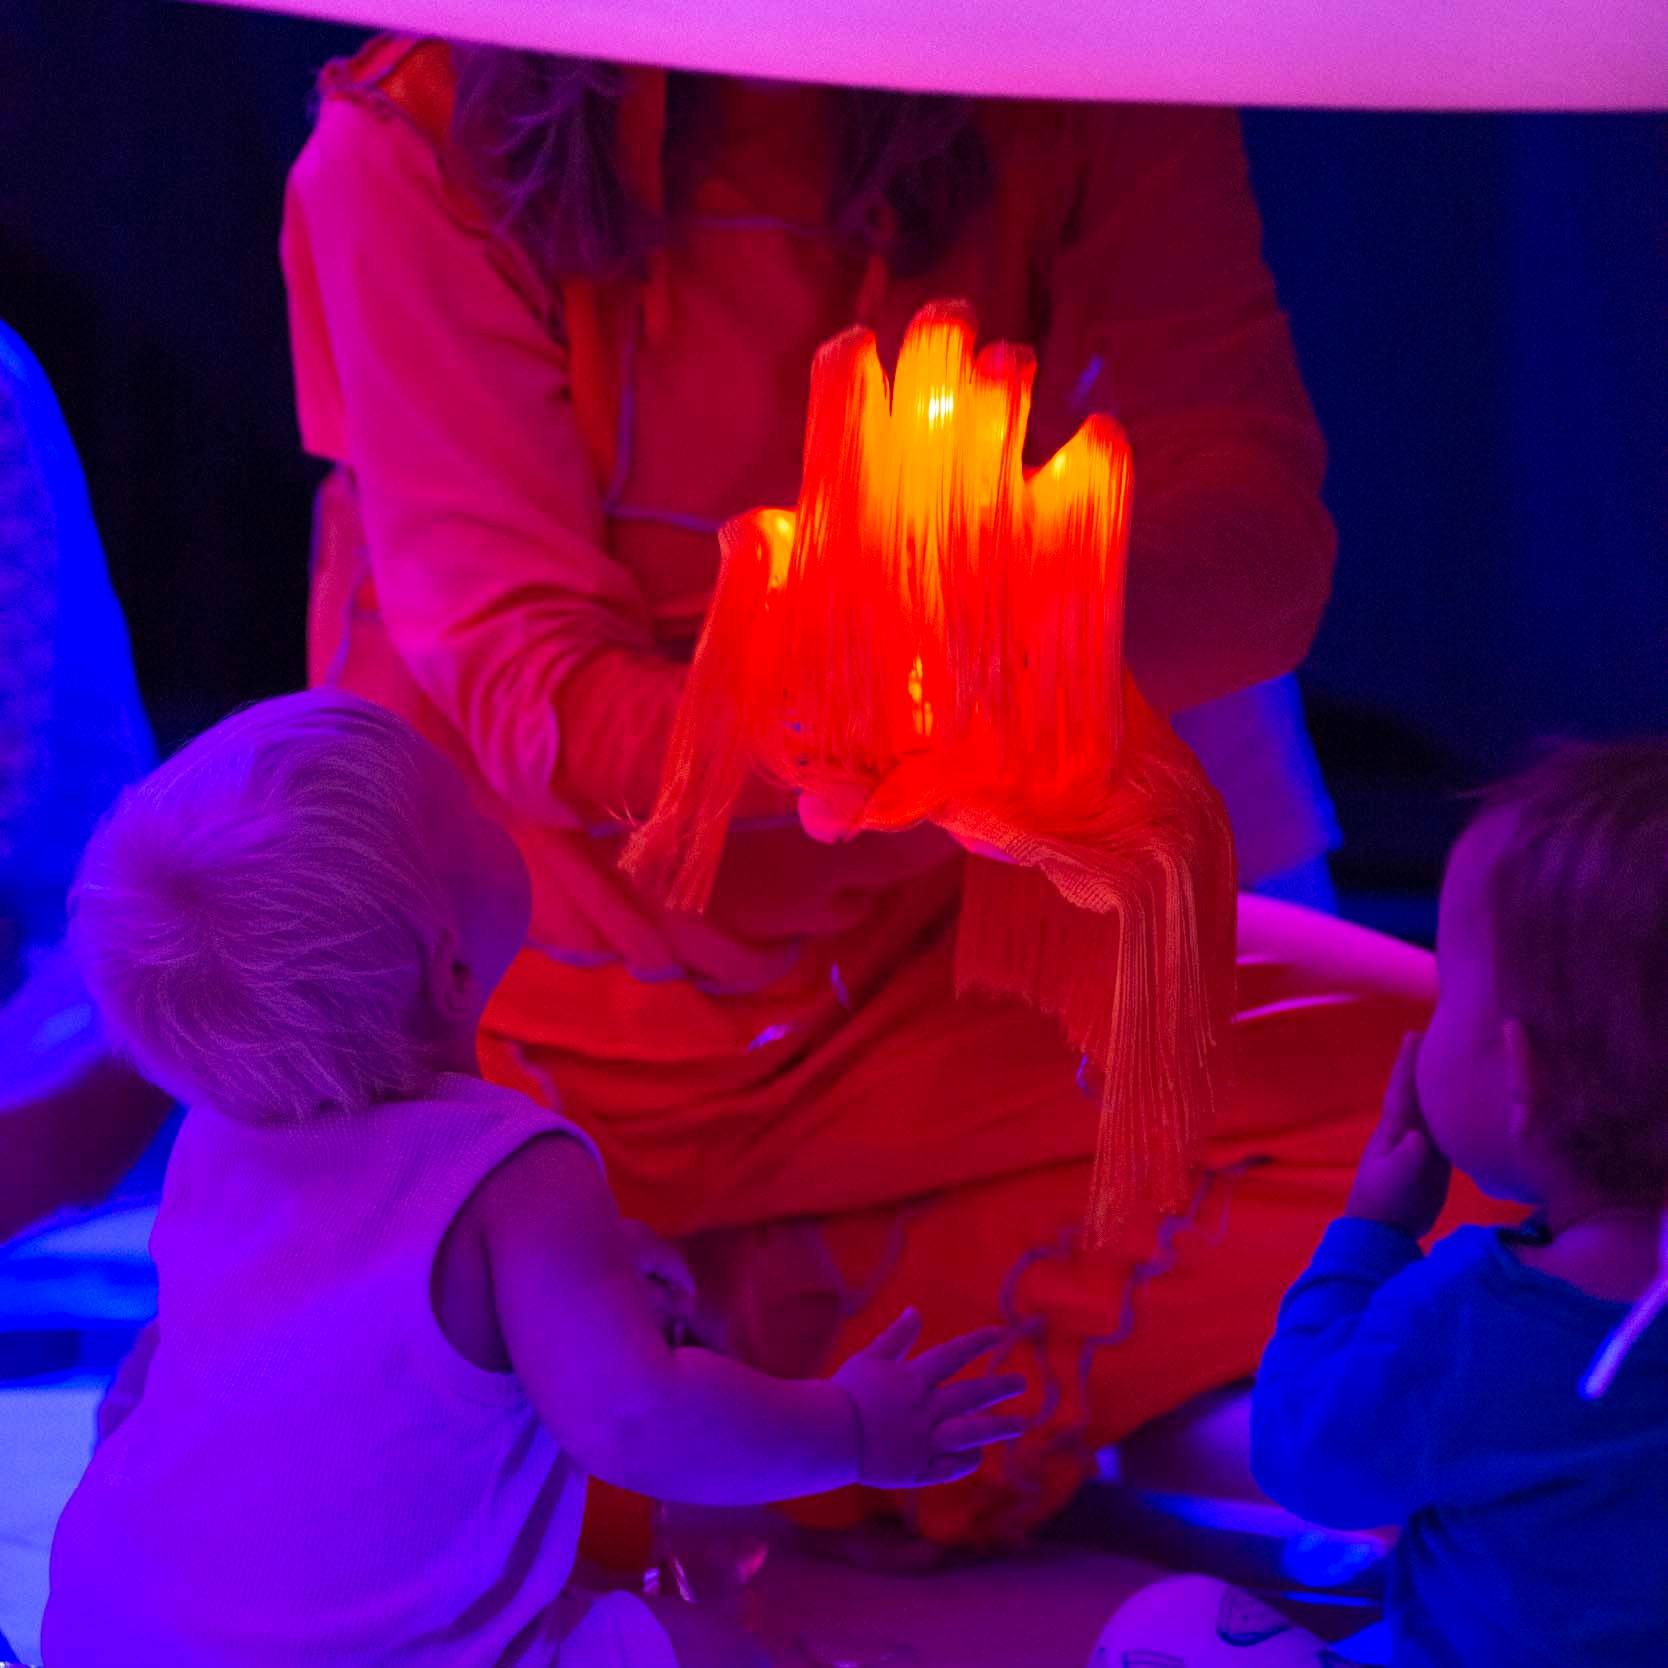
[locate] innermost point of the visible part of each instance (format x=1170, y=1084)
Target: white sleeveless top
x=314, y=1475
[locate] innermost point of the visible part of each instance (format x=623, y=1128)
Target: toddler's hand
x=1402, y=1180
x=915, y=1429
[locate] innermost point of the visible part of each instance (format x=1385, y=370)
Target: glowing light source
x=943, y=631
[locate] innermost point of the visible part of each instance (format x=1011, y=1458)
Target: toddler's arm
x=1342, y=1413
x=1345, y=1410
x=686, y=1424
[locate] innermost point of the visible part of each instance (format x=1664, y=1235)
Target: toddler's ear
x=1522, y=1076
x=448, y=984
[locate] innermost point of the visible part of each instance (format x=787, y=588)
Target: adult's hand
x=832, y=811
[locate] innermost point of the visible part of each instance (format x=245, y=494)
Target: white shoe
x=1195, y=1621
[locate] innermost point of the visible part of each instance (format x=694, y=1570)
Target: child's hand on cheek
x=1402, y=1180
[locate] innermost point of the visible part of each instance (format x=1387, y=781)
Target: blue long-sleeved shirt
x=1441, y=1392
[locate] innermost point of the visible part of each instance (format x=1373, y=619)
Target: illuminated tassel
x=934, y=623
x=1122, y=927
x=678, y=851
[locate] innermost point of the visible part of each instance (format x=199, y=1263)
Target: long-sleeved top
x=1441, y=1393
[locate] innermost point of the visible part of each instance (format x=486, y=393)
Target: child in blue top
x=1452, y=1392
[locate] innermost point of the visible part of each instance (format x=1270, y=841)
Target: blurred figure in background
x=72, y=733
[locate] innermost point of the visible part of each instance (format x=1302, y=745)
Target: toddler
x=401, y=1318
x=1468, y=1394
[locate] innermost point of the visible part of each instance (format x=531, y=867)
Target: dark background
x=1480, y=303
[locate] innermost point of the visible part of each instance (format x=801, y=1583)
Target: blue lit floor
x=71, y=1300
x=45, y=1435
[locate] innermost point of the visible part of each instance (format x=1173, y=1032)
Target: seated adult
x=553, y=323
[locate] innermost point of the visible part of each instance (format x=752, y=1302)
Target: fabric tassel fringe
x=941, y=626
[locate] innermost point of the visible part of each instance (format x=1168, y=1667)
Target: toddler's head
x=299, y=911
x=1545, y=1067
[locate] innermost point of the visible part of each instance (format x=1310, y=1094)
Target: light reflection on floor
x=71, y=1298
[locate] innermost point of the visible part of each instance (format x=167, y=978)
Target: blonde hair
x=253, y=918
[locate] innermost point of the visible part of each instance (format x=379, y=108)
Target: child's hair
x=1578, y=914
x=252, y=918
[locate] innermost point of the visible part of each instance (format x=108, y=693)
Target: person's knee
x=1304, y=952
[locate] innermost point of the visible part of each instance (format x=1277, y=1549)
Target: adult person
x=553, y=323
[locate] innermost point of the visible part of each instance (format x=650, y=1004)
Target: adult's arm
x=448, y=396
x=1163, y=312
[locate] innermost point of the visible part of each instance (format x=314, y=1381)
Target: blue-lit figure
x=72, y=734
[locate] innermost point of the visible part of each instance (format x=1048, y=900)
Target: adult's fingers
x=831, y=807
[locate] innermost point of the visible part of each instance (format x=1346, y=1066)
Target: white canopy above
x=1343, y=54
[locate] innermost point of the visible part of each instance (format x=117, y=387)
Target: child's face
x=484, y=878
x=1465, y=1087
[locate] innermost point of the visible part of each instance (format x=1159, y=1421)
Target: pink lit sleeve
x=1163, y=312
x=434, y=378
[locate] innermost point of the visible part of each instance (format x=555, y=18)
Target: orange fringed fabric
x=939, y=625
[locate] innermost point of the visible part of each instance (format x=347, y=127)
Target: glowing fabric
x=935, y=624
x=1367, y=55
